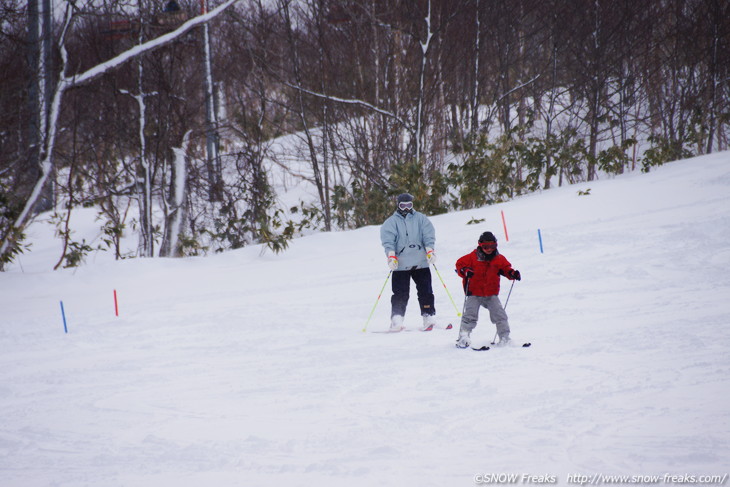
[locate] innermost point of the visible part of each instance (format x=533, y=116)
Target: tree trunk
x=175, y=208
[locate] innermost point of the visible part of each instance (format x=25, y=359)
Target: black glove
x=467, y=272
x=515, y=274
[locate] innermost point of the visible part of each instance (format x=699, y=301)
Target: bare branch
x=122, y=58
x=352, y=102
x=518, y=87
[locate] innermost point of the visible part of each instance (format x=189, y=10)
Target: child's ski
x=486, y=347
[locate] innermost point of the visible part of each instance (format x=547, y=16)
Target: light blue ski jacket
x=408, y=237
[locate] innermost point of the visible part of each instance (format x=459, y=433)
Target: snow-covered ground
x=252, y=369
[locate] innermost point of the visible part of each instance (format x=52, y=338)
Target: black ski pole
x=509, y=294
x=466, y=294
x=494, y=340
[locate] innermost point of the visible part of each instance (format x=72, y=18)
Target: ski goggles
x=488, y=245
x=405, y=205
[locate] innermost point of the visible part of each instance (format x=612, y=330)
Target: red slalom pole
x=116, y=304
x=504, y=224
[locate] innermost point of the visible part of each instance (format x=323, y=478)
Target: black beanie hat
x=403, y=197
x=487, y=237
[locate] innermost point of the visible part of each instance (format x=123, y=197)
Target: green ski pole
x=458, y=313
x=376, y=302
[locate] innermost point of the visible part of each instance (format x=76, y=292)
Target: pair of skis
x=483, y=348
x=487, y=347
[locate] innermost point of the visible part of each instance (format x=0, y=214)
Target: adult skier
x=480, y=271
x=408, y=238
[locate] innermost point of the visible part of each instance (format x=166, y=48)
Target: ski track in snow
x=249, y=368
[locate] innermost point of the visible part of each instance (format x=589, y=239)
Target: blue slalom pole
x=63, y=315
x=539, y=236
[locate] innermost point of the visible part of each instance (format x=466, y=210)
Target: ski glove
x=467, y=272
x=392, y=261
x=430, y=255
x=515, y=274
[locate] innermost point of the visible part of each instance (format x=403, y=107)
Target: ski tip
x=481, y=349
x=525, y=345
x=449, y=326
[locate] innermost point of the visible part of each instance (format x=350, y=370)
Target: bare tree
x=68, y=81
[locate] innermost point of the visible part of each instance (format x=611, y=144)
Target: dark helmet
x=488, y=243
x=404, y=203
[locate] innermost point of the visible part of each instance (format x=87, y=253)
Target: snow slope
x=250, y=368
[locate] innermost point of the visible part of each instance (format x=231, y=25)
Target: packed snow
x=252, y=368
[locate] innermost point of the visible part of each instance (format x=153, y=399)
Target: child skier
x=481, y=271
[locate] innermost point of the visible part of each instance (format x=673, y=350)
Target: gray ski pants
x=496, y=313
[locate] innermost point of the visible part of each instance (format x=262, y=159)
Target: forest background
x=172, y=119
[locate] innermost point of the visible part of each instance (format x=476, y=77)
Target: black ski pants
x=401, y=290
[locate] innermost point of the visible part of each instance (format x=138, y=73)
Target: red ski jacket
x=485, y=281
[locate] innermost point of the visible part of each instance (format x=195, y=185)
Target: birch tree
x=40, y=34
x=176, y=201
x=477, y=71
x=424, y=44
x=146, y=237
